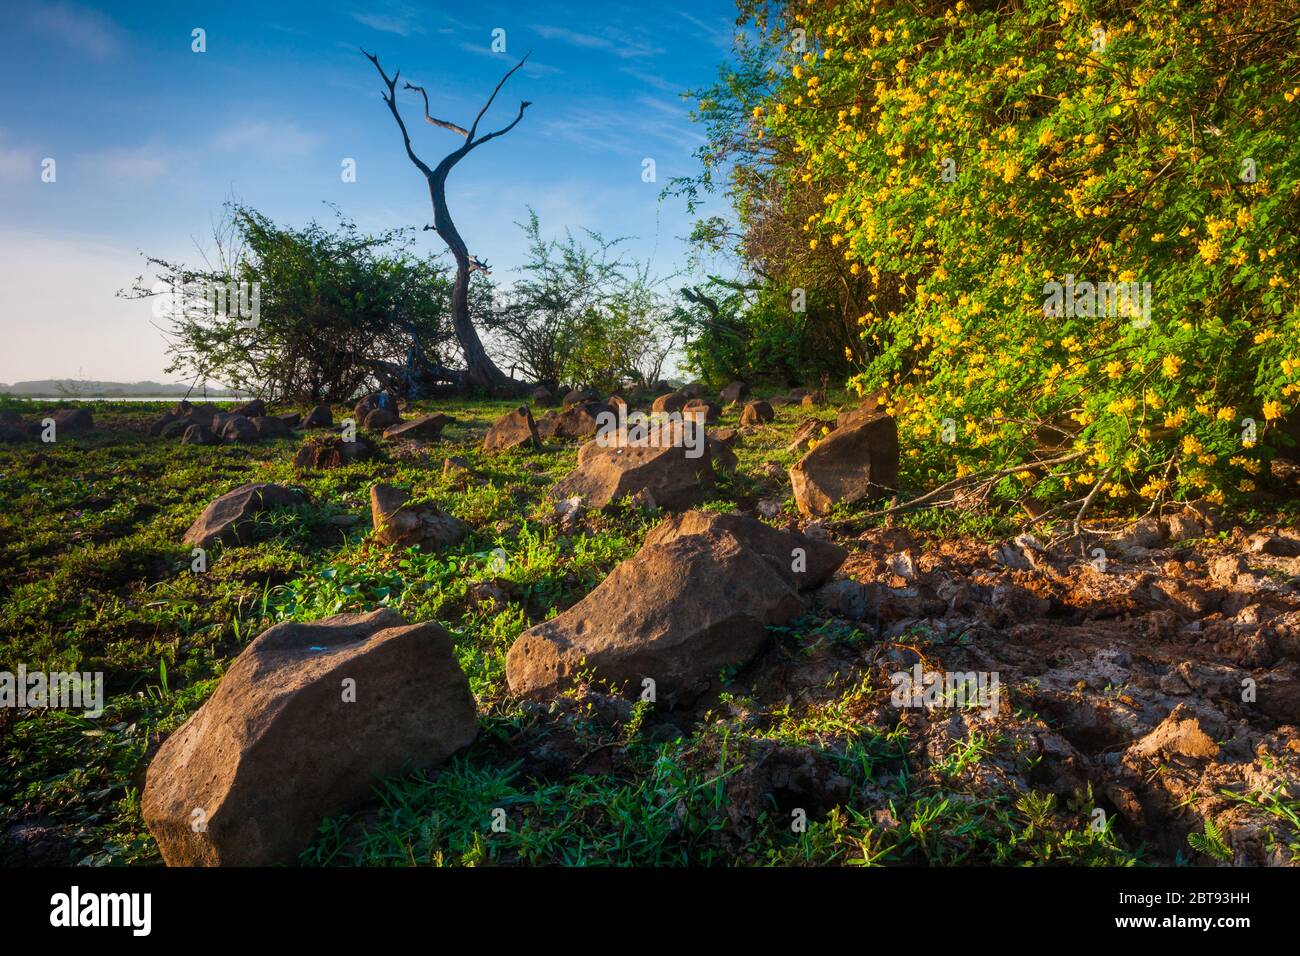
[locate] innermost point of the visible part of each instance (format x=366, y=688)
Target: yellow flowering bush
x=1076, y=223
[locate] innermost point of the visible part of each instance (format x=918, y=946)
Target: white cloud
x=611, y=40
x=267, y=139
x=143, y=163
x=86, y=31
x=17, y=163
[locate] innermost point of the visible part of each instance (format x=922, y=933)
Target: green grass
x=95, y=579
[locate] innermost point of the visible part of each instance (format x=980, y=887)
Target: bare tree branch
x=486, y=106
x=445, y=124
x=391, y=99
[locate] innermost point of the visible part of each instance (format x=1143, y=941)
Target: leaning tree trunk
x=480, y=371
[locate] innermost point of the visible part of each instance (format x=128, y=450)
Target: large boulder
x=757, y=413
x=679, y=611
x=513, y=430
x=541, y=395
x=858, y=460
x=576, y=421
x=579, y=396
x=230, y=518
x=306, y=720
x=398, y=524
x=804, y=562
x=670, y=468
x=425, y=428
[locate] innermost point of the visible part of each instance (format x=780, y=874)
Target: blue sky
x=150, y=137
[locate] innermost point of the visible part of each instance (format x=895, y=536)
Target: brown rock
x=319, y=417
x=541, y=395
x=757, y=413
x=576, y=421
x=808, y=433
x=1275, y=545
x=197, y=435
x=376, y=400
x=661, y=469
x=234, y=428
x=426, y=428
x=331, y=451
x=305, y=721
x=457, y=470
x=859, y=460
x=579, y=396
x=1179, y=734
x=733, y=393
x=870, y=407
x=677, y=613
x=251, y=409
x=400, y=525
x=72, y=421
x=804, y=562
x=269, y=426
x=231, y=517
x=672, y=402
x=380, y=419
x=512, y=430
x=701, y=411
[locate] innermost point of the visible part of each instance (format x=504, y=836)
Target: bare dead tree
x=480, y=371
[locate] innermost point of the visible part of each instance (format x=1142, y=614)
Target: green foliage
x=335, y=309
x=937, y=166
x=580, y=315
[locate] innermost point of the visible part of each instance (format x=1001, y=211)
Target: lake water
x=172, y=399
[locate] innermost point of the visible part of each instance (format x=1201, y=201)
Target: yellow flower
x=1171, y=366
x=1272, y=410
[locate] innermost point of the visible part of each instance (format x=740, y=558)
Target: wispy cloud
x=17, y=163
x=394, y=17
x=533, y=68
x=611, y=40
x=720, y=33
x=653, y=79
x=617, y=129
x=144, y=162
x=86, y=31
x=267, y=138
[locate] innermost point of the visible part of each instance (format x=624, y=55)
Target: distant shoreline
x=192, y=399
